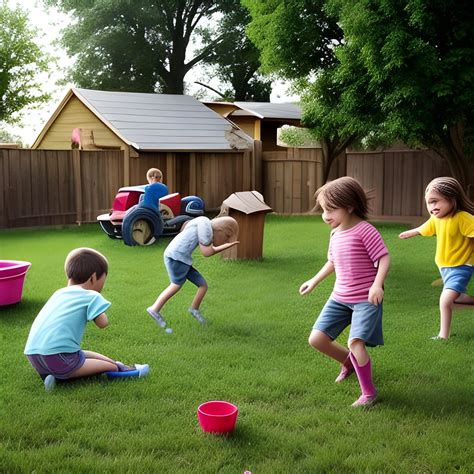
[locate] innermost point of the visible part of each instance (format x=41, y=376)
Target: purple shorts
x=61, y=365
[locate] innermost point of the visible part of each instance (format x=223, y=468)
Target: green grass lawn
x=254, y=353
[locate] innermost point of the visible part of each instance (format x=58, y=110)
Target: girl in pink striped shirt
x=360, y=259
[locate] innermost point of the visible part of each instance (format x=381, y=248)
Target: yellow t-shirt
x=455, y=238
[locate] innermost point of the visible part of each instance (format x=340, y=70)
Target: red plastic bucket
x=12, y=277
x=217, y=416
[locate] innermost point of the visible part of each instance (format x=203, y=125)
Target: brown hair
x=81, y=263
x=345, y=192
x=452, y=190
x=154, y=173
x=225, y=229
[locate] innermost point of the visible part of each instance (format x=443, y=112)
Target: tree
x=236, y=60
x=21, y=61
x=138, y=45
x=416, y=58
x=296, y=39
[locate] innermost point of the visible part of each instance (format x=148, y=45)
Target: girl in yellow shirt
x=452, y=221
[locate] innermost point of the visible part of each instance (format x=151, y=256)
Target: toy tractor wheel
x=141, y=226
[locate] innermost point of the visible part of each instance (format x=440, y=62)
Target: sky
x=49, y=25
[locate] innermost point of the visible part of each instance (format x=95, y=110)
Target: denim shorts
x=61, y=365
x=179, y=272
x=364, y=318
x=456, y=278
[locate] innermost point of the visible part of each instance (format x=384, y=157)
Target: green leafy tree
x=297, y=39
x=139, y=45
x=21, y=63
x=236, y=61
x=415, y=60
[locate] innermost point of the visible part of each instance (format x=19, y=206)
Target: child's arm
x=409, y=233
x=308, y=286
x=209, y=250
x=376, y=290
x=102, y=321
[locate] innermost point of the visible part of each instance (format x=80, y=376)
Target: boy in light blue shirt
x=54, y=342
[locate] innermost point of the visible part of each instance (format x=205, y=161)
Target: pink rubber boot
x=346, y=370
x=364, y=374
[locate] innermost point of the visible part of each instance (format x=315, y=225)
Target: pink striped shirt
x=355, y=253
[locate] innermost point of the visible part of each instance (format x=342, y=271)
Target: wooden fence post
x=192, y=174
x=258, y=166
x=76, y=164
x=126, y=166
x=171, y=171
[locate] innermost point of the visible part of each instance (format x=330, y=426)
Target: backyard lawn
x=254, y=352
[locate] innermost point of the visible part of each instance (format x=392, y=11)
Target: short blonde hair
x=225, y=229
x=83, y=262
x=154, y=173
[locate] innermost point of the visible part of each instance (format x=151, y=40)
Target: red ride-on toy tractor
x=142, y=214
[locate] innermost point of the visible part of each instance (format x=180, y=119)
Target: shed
x=248, y=209
x=260, y=120
x=199, y=151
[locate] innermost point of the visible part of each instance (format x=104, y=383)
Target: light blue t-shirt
x=197, y=231
x=60, y=324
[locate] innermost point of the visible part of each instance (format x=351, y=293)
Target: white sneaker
x=49, y=383
x=143, y=370
x=196, y=314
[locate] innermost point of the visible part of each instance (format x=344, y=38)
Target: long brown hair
x=452, y=190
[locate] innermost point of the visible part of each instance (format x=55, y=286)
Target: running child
x=211, y=236
x=452, y=221
x=360, y=259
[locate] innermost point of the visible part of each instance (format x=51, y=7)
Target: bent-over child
x=452, y=221
x=211, y=236
x=54, y=342
x=360, y=259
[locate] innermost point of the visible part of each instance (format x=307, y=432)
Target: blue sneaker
x=143, y=370
x=49, y=383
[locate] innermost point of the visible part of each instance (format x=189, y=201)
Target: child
x=452, y=222
x=358, y=256
x=54, y=343
x=212, y=236
x=155, y=189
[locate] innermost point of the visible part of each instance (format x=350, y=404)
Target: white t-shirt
x=197, y=231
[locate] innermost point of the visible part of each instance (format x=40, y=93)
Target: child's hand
x=408, y=234
x=307, y=287
x=376, y=295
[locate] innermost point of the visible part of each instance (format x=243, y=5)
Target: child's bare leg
x=323, y=343
x=95, y=366
x=446, y=302
x=357, y=347
x=199, y=296
x=165, y=295
x=463, y=298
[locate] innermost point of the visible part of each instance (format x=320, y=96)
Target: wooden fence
x=396, y=179
x=54, y=187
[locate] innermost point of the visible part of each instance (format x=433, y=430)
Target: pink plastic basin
x=218, y=417
x=12, y=277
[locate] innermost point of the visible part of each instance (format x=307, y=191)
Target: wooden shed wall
x=76, y=115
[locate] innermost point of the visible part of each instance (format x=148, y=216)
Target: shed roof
x=158, y=121
x=269, y=110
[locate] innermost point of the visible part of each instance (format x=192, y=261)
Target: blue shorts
x=179, y=272
x=456, y=278
x=364, y=318
x=61, y=365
